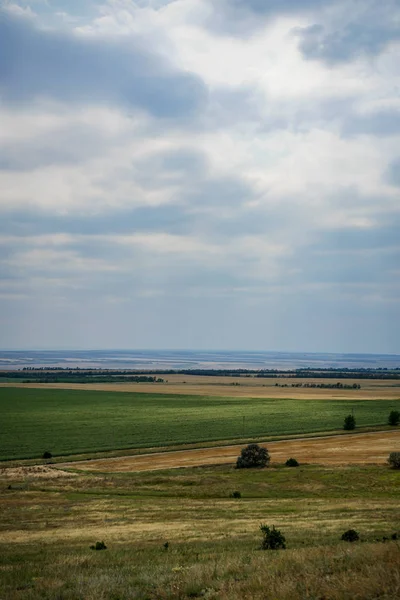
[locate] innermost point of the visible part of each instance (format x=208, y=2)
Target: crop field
x=178, y=534
x=67, y=422
x=361, y=448
x=241, y=387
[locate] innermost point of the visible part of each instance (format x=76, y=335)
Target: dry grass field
x=49, y=519
x=240, y=387
x=367, y=448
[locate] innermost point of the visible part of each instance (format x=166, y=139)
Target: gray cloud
x=278, y=6
x=392, y=175
x=341, y=31
x=69, y=145
x=72, y=68
x=379, y=123
x=367, y=31
x=243, y=17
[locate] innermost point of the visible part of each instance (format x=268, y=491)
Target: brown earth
x=334, y=450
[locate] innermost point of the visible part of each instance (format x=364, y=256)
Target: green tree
x=350, y=535
x=253, y=456
x=349, y=423
x=292, y=462
x=394, y=460
x=273, y=539
x=394, y=417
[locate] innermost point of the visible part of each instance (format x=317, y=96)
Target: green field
x=74, y=421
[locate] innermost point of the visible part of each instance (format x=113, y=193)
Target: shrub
x=99, y=546
x=394, y=418
x=253, y=456
x=394, y=460
x=349, y=423
x=292, y=462
x=236, y=495
x=350, y=535
x=273, y=539
x=47, y=455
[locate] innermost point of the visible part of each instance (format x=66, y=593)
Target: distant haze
x=185, y=359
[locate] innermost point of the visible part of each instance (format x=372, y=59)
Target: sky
x=200, y=174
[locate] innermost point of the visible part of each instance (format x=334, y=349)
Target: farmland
x=176, y=533
x=50, y=518
x=242, y=387
x=361, y=448
x=66, y=421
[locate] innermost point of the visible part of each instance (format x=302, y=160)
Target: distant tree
x=236, y=495
x=47, y=455
x=350, y=535
x=292, y=462
x=99, y=546
x=349, y=423
x=273, y=539
x=394, y=460
x=394, y=417
x=253, y=456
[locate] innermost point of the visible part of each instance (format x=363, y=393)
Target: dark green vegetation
x=323, y=386
x=394, y=418
x=98, y=546
x=350, y=535
x=66, y=422
x=349, y=423
x=273, y=539
x=394, y=460
x=253, y=456
x=76, y=375
x=292, y=462
x=176, y=535
x=43, y=375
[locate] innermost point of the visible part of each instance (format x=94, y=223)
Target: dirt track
x=336, y=450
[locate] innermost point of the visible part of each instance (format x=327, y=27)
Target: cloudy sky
x=202, y=174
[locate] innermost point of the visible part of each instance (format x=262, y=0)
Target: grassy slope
x=48, y=525
x=70, y=421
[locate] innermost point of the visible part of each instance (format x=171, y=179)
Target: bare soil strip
x=335, y=450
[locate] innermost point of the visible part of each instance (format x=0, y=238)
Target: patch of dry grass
x=349, y=449
x=47, y=525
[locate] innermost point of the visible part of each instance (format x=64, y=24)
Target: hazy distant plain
x=190, y=359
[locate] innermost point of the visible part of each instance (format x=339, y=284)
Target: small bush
x=99, y=546
x=349, y=423
x=47, y=455
x=236, y=495
x=394, y=460
x=394, y=418
x=273, y=539
x=292, y=462
x=253, y=456
x=350, y=535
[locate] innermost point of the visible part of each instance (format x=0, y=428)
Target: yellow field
x=240, y=387
x=366, y=448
